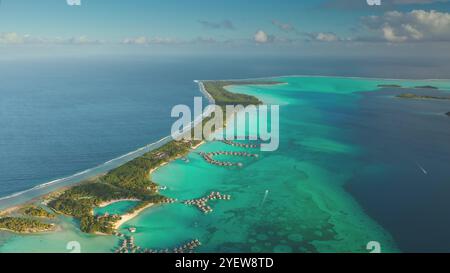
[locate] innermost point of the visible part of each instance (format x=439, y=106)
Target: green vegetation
x=129, y=181
x=35, y=211
x=414, y=96
x=103, y=224
x=132, y=180
x=399, y=86
x=389, y=86
x=223, y=97
x=23, y=225
x=426, y=87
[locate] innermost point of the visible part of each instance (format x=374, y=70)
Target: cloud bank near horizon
x=232, y=26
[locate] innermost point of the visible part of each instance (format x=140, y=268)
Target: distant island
x=415, y=87
x=223, y=97
x=427, y=87
x=389, y=86
x=24, y=225
x=130, y=181
x=414, y=96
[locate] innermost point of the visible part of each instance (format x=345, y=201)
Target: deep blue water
x=404, y=136
x=62, y=116
x=401, y=177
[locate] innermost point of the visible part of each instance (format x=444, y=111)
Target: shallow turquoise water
x=57, y=242
x=119, y=208
x=306, y=208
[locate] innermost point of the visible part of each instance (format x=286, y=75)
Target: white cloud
x=414, y=33
x=13, y=38
x=390, y=35
x=323, y=37
x=416, y=25
x=81, y=40
x=326, y=37
x=143, y=40
x=262, y=37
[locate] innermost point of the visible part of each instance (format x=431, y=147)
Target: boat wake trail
x=421, y=168
x=265, y=197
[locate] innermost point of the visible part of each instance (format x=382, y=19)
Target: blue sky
x=265, y=25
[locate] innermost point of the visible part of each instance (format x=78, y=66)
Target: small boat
x=132, y=229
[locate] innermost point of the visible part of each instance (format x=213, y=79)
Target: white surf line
x=148, y=146
x=265, y=197
x=205, y=92
x=327, y=76
x=133, y=154
x=47, y=184
x=421, y=168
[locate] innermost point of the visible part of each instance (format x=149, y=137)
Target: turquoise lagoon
x=290, y=200
x=119, y=208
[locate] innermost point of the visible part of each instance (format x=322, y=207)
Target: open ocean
x=63, y=116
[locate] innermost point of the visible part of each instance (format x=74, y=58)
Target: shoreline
x=262, y=84
x=44, y=199
x=53, y=229
x=107, y=203
x=327, y=76
x=124, y=218
x=13, y=208
x=210, y=99
x=204, y=92
x=127, y=217
x=98, y=170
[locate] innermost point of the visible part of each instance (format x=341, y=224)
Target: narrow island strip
x=423, y=97
x=131, y=181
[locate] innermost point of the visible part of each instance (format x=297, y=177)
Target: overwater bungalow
x=208, y=157
x=242, y=145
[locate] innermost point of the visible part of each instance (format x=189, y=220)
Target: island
x=415, y=87
x=35, y=211
x=414, y=96
x=427, y=87
x=24, y=225
x=217, y=89
x=23, y=220
x=389, y=86
x=131, y=181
